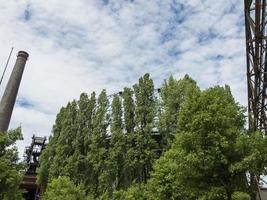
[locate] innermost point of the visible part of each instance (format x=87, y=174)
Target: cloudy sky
x=86, y=45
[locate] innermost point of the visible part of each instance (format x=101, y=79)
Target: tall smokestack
x=10, y=94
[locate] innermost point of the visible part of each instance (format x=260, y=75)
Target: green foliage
x=241, y=196
x=144, y=145
x=117, y=151
x=129, y=125
x=129, y=110
x=65, y=139
x=63, y=188
x=72, y=133
x=174, y=94
x=97, y=178
x=43, y=170
x=48, y=166
x=201, y=161
x=10, y=175
x=135, y=192
x=166, y=182
x=111, y=152
x=253, y=148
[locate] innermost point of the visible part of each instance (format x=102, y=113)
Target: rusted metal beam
x=256, y=47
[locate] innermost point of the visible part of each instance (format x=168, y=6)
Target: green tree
x=206, y=151
x=77, y=163
x=173, y=94
x=68, y=147
x=97, y=181
x=134, y=192
x=58, y=158
x=65, y=144
x=129, y=125
x=48, y=154
x=204, y=160
x=63, y=188
x=129, y=110
x=117, y=146
x=252, y=148
x=88, y=114
x=45, y=163
x=10, y=169
x=145, y=145
x=241, y=196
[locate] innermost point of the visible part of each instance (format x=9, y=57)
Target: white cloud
x=81, y=45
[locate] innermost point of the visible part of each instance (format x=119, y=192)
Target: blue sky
x=84, y=46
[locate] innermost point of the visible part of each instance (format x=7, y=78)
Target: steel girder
x=256, y=47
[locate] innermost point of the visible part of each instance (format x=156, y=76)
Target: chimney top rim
x=23, y=54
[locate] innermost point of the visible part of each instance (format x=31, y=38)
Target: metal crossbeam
x=256, y=44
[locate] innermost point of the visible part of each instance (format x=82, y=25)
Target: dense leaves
x=144, y=145
x=183, y=144
x=105, y=148
x=174, y=94
x=10, y=169
x=211, y=154
x=117, y=151
x=63, y=188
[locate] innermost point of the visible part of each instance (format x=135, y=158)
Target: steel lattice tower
x=256, y=47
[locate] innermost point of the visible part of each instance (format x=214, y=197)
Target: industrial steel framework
x=256, y=47
x=256, y=52
x=32, y=156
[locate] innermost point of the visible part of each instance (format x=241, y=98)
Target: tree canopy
x=10, y=168
x=207, y=158
x=181, y=144
x=63, y=188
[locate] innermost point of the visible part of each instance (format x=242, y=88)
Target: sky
x=87, y=45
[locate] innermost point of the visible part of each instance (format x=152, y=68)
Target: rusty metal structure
x=256, y=53
x=31, y=157
x=256, y=44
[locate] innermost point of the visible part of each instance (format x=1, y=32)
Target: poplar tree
x=117, y=146
x=82, y=123
x=85, y=115
x=208, y=152
x=129, y=125
x=76, y=159
x=89, y=115
x=65, y=154
x=97, y=178
x=46, y=158
x=173, y=94
x=129, y=110
x=65, y=145
x=49, y=152
x=144, y=115
x=55, y=157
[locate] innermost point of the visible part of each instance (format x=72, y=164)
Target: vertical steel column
x=10, y=94
x=255, y=21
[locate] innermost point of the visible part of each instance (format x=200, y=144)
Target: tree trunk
x=253, y=186
x=229, y=196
